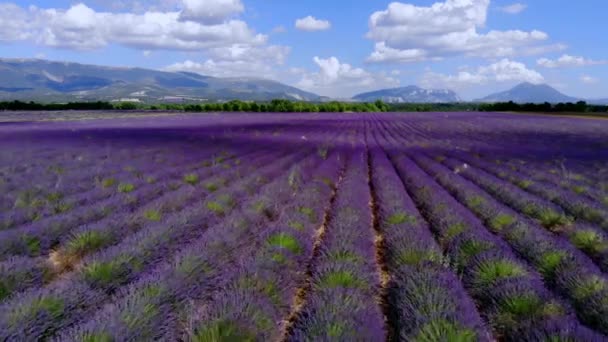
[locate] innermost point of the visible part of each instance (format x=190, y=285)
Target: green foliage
x=339, y=279
x=126, y=188
x=443, y=330
x=501, y=221
x=400, y=218
x=454, y=230
x=491, y=271
x=32, y=244
x=108, y=182
x=86, y=242
x=221, y=331
x=286, y=241
x=216, y=207
x=471, y=248
x=549, y=261
x=51, y=305
x=153, y=215
x=96, y=337
x=191, y=178
x=551, y=219
x=296, y=225
x=415, y=257
x=589, y=286
x=309, y=212
x=475, y=201
x=211, y=187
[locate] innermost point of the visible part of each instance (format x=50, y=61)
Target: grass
x=153, y=215
x=296, y=225
x=551, y=219
x=454, y=230
x=126, y=188
x=549, y=261
x=222, y=331
x=501, y=221
x=211, y=187
x=443, y=330
x=588, y=240
x=339, y=279
x=285, y=241
x=309, y=212
x=32, y=244
x=191, y=178
x=588, y=287
x=491, y=271
x=86, y=242
x=96, y=337
x=400, y=218
x=50, y=305
x=470, y=248
x=415, y=257
x=216, y=207
x=108, y=183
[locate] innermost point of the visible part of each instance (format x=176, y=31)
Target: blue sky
x=335, y=48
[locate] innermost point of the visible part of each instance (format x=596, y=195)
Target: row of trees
x=287, y=106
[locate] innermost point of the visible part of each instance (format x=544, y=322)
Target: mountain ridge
x=44, y=80
x=409, y=94
x=529, y=93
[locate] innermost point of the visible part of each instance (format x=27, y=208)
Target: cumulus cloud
x=238, y=60
x=80, y=27
x=210, y=11
x=568, y=61
x=338, y=79
x=504, y=70
x=311, y=23
x=408, y=33
x=515, y=8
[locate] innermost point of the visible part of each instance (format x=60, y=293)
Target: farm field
x=304, y=227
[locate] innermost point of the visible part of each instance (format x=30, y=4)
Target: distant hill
x=529, y=93
x=42, y=80
x=409, y=94
x=603, y=102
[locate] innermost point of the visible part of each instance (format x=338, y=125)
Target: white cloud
x=279, y=29
x=338, y=79
x=311, y=23
x=238, y=61
x=568, y=61
x=589, y=79
x=210, y=11
x=80, y=27
x=515, y=8
x=407, y=33
x=504, y=70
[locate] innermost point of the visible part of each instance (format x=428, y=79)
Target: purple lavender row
x=214, y=257
x=342, y=302
x=571, y=200
x=79, y=177
x=509, y=293
x=20, y=273
x=588, y=238
x=40, y=237
x=54, y=203
x=427, y=300
x=553, y=257
x=105, y=272
x=270, y=274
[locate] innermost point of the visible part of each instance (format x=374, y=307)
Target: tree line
x=287, y=106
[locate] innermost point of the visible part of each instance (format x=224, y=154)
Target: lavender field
x=304, y=227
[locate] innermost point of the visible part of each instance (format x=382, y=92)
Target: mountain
x=603, y=102
x=42, y=80
x=409, y=94
x=529, y=93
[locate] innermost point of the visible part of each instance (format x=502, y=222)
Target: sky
x=335, y=48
